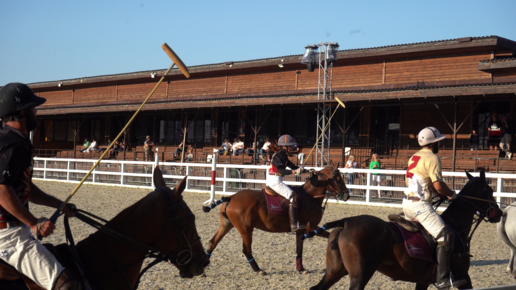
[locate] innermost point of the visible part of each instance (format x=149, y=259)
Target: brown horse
x=364, y=244
x=247, y=210
x=160, y=222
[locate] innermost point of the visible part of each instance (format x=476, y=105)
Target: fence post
x=225, y=183
x=499, y=190
x=93, y=173
x=68, y=173
x=45, y=163
x=156, y=162
x=213, y=178
x=122, y=170
x=188, y=168
x=368, y=190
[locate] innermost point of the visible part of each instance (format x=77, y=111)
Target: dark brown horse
x=161, y=221
x=361, y=245
x=247, y=210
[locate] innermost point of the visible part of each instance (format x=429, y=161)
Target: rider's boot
x=68, y=281
x=293, y=214
x=444, y=253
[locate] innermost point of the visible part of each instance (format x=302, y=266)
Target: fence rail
x=363, y=183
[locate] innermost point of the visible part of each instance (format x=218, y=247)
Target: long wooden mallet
x=175, y=61
x=324, y=130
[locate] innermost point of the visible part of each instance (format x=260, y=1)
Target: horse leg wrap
x=299, y=264
x=253, y=264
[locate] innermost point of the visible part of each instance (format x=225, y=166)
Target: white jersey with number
x=424, y=168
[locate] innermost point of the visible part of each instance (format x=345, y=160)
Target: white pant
x=424, y=213
x=27, y=255
x=276, y=182
x=505, y=143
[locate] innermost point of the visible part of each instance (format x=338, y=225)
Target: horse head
x=331, y=178
x=179, y=238
x=478, y=195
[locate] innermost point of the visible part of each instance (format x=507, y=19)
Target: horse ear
x=482, y=174
x=331, y=163
x=338, y=164
x=468, y=175
x=157, y=177
x=180, y=187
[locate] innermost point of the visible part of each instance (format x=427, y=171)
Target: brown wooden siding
x=430, y=69
x=504, y=76
x=61, y=97
x=358, y=75
x=197, y=87
x=141, y=91
x=96, y=94
x=262, y=82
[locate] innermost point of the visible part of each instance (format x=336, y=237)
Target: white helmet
x=429, y=135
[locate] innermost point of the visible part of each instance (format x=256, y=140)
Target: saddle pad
x=416, y=245
x=274, y=204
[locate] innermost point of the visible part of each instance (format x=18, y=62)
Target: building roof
x=464, y=43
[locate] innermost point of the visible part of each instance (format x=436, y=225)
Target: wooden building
x=391, y=93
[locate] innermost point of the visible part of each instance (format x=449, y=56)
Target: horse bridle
x=181, y=256
x=333, y=183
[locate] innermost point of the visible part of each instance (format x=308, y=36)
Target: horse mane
x=458, y=213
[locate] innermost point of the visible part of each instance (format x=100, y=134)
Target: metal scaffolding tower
x=326, y=56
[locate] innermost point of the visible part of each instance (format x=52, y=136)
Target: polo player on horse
x=424, y=180
x=277, y=170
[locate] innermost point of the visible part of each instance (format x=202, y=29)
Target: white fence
x=234, y=177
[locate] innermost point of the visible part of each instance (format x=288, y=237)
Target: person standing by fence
x=376, y=178
x=507, y=131
x=351, y=164
x=147, y=148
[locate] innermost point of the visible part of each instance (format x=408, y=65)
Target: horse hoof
x=262, y=273
x=304, y=272
x=203, y=275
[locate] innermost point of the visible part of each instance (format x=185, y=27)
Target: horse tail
x=213, y=205
x=327, y=226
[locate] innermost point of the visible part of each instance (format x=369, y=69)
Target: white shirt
x=266, y=145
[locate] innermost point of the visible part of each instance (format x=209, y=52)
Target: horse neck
x=459, y=217
x=314, y=191
x=104, y=254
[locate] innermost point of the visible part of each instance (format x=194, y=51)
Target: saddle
x=10, y=278
x=277, y=204
x=419, y=244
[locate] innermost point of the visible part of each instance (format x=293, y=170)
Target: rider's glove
x=298, y=171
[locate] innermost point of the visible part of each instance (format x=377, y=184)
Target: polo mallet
x=175, y=61
x=324, y=130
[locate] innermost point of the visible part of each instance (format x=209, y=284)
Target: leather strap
x=413, y=198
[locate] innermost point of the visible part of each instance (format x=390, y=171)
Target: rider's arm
x=37, y=196
x=443, y=189
x=12, y=204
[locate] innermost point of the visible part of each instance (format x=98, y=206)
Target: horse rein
x=184, y=253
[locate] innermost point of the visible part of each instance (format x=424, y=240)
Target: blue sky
x=56, y=40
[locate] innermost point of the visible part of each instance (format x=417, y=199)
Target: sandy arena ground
x=275, y=253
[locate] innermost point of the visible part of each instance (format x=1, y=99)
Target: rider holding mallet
x=424, y=180
x=277, y=170
x=18, y=247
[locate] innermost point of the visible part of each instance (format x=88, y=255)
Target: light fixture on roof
x=331, y=52
x=280, y=65
x=310, y=57
x=152, y=74
x=60, y=84
x=229, y=63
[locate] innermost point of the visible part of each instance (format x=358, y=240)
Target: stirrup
x=297, y=228
x=454, y=284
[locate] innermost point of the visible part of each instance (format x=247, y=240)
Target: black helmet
x=17, y=96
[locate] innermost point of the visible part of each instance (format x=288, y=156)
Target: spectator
x=267, y=160
x=350, y=164
x=494, y=129
x=473, y=140
x=296, y=149
x=85, y=145
x=147, y=148
x=252, y=150
x=189, y=153
x=114, y=150
x=265, y=147
x=108, y=143
x=225, y=148
x=238, y=147
x=179, y=148
x=122, y=146
x=377, y=178
x=508, y=131
x=93, y=146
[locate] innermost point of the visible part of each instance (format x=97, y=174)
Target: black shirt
x=16, y=165
x=280, y=163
